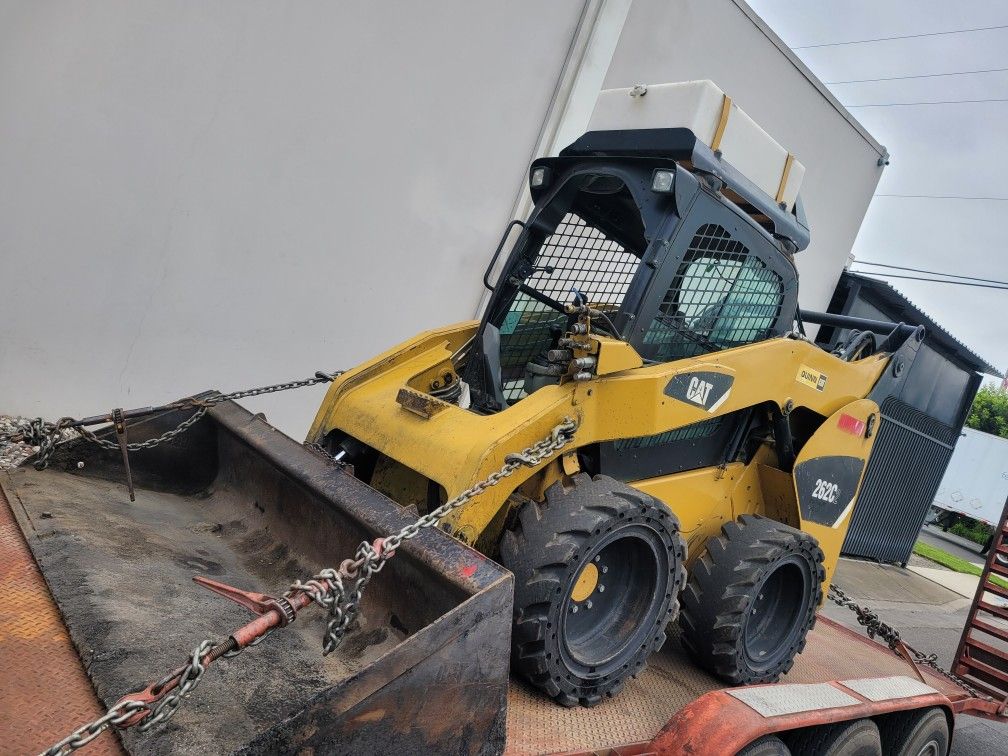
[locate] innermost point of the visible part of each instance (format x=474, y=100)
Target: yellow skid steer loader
x=651, y=299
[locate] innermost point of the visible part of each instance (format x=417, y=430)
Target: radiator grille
x=906, y=466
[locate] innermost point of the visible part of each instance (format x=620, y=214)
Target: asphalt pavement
x=930, y=618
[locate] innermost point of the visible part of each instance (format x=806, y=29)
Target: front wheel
x=598, y=568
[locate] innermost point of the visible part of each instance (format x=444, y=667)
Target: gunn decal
x=811, y=378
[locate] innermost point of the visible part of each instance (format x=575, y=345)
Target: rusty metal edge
x=717, y=723
x=486, y=586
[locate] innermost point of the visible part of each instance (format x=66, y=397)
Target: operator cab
x=681, y=252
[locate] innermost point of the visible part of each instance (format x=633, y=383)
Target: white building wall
x=232, y=193
x=225, y=194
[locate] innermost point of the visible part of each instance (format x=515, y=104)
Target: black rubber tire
x=769, y=745
x=857, y=738
x=547, y=549
x=756, y=586
x=907, y=734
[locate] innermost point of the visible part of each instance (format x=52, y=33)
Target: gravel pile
x=13, y=453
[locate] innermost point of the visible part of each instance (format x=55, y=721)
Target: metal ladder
x=982, y=656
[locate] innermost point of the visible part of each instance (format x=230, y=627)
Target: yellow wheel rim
x=586, y=582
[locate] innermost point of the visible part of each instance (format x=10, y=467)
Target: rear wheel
x=857, y=738
x=915, y=733
x=769, y=745
x=598, y=568
x=751, y=600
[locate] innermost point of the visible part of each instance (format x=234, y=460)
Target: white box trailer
x=976, y=481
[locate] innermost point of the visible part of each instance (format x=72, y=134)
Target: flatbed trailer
x=99, y=601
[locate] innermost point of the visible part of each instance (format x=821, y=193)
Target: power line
x=918, y=76
x=932, y=280
x=900, y=36
x=945, y=197
x=929, y=272
x=928, y=102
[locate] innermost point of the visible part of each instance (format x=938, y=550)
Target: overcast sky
x=959, y=149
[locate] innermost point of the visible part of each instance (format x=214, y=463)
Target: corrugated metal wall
x=904, y=472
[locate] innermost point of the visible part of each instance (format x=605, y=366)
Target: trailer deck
x=672, y=682
x=425, y=663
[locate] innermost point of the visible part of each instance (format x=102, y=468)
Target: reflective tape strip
x=886, y=688
x=792, y=698
x=784, y=177
x=726, y=104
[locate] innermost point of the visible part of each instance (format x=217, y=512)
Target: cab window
x=721, y=297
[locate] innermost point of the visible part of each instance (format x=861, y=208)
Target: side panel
x=456, y=447
x=976, y=480
x=719, y=723
x=701, y=499
x=828, y=473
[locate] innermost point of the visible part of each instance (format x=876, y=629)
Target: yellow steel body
x=456, y=447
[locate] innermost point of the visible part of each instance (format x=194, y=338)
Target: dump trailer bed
x=424, y=670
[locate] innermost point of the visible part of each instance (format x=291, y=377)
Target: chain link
x=127, y=709
x=326, y=589
x=150, y=443
x=165, y=708
x=874, y=626
x=47, y=435
x=41, y=433
x=84, y=734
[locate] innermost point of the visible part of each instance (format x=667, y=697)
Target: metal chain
x=326, y=589
x=160, y=712
x=150, y=443
x=874, y=626
x=41, y=433
x=47, y=436
x=84, y=734
x=165, y=708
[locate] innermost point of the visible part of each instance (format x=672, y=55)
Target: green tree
x=990, y=411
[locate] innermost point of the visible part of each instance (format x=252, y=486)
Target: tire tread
x=718, y=594
x=545, y=538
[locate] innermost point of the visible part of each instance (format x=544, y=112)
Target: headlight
x=662, y=181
